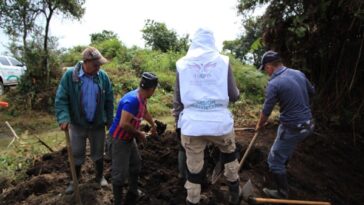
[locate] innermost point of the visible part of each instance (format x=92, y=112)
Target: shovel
x=247, y=191
x=72, y=166
x=216, y=173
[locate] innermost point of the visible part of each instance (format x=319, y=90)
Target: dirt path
x=324, y=167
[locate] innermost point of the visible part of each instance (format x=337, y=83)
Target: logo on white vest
x=203, y=71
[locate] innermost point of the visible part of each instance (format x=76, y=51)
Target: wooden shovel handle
x=248, y=150
x=72, y=167
x=286, y=201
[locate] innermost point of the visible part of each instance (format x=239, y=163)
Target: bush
x=111, y=49
x=249, y=80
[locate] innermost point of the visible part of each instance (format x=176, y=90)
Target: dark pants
x=126, y=164
x=96, y=137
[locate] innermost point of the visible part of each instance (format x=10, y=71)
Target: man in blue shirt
x=84, y=106
x=292, y=90
x=126, y=160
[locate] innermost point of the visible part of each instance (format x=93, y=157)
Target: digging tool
x=244, y=129
x=72, y=166
x=247, y=196
x=216, y=173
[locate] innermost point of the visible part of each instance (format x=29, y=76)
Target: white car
x=10, y=72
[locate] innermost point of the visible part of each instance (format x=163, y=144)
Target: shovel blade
x=216, y=173
x=247, y=190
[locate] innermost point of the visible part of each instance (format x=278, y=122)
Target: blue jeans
x=282, y=149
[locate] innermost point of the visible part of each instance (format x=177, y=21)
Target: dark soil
x=325, y=167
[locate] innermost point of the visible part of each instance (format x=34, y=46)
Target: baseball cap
x=148, y=80
x=91, y=53
x=268, y=57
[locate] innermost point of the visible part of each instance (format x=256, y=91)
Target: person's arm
x=310, y=88
x=125, y=124
x=269, y=103
x=233, y=90
x=62, y=103
x=177, y=103
x=109, y=102
x=150, y=120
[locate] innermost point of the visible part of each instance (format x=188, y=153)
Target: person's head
x=203, y=45
x=271, y=60
x=148, y=83
x=92, y=60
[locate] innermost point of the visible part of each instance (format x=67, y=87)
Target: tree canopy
x=159, y=37
x=324, y=39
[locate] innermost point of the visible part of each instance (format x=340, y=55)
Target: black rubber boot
x=118, y=194
x=70, y=187
x=189, y=203
x=282, y=187
x=235, y=193
x=99, y=169
x=131, y=198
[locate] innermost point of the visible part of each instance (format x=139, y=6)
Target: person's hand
x=64, y=126
x=153, y=131
x=107, y=125
x=258, y=127
x=141, y=137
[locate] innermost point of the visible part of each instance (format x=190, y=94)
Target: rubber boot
x=282, y=187
x=70, y=187
x=189, y=203
x=132, y=195
x=99, y=166
x=131, y=198
x=235, y=193
x=118, y=194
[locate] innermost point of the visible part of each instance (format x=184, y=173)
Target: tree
x=248, y=47
x=325, y=39
x=17, y=18
x=104, y=35
x=70, y=9
x=159, y=37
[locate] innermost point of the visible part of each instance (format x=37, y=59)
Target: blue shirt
x=90, y=92
x=292, y=90
x=130, y=103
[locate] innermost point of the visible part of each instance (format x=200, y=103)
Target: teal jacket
x=68, y=100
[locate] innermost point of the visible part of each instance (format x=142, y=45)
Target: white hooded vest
x=203, y=75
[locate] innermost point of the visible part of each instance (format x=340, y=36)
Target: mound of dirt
x=324, y=167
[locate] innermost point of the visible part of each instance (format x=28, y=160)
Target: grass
x=28, y=126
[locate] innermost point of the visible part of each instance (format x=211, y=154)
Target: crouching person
x=126, y=160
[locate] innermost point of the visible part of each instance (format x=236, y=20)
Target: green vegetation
x=324, y=39
x=32, y=103
x=30, y=127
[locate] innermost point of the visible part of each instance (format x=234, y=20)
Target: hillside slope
x=324, y=167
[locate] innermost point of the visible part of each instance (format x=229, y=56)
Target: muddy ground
x=327, y=166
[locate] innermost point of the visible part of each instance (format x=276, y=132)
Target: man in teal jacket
x=84, y=106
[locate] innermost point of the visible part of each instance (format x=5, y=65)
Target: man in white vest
x=204, y=87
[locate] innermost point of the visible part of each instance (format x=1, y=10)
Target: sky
x=127, y=18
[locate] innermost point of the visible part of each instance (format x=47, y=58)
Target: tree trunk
x=25, y=31
x=45, y=48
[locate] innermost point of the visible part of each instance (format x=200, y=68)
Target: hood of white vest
x=203, y=46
